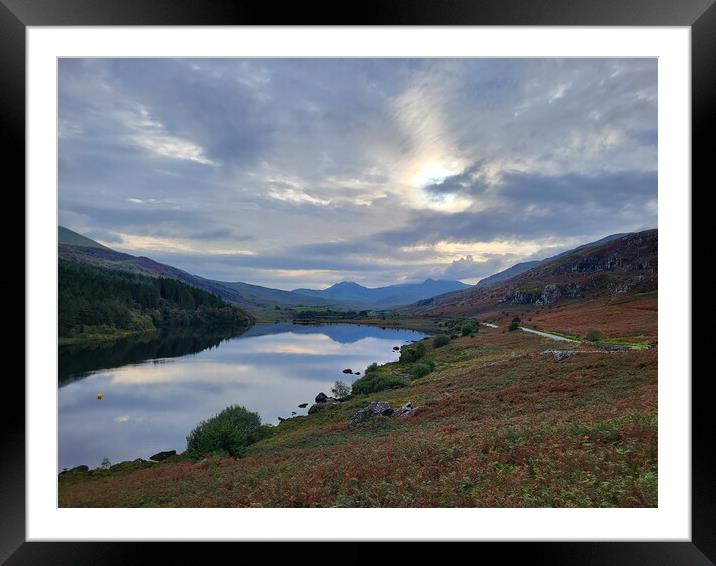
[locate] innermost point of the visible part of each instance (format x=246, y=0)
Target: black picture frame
x=16, y=15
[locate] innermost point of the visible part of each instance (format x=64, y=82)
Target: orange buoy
x=99, y=395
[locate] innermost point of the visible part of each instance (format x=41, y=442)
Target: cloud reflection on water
x=151, y=406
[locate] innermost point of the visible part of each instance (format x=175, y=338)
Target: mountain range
x=345, y=295
x=616, y=264
x=384, y=297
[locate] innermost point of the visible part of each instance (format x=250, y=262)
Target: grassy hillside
x=68, y=237
x=499, y=423
x=100, y=303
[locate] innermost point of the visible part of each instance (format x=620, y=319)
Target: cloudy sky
x=305, y=172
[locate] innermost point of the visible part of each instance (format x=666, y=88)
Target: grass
x=498, y=424
x=106, y=334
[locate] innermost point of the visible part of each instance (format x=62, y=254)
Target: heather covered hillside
x=610, y=285
x=500, y=421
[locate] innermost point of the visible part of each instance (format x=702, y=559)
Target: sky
x=305, y=172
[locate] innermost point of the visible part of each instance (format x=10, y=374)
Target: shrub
x=341, y=389
x=225, y=434
x=371, y=367
x=593, y=335
x=514, y=324
x=441, y=340
x=378, y=381
x=410, y=354
x=420, y=370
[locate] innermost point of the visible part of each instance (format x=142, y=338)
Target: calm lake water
x=155, y=391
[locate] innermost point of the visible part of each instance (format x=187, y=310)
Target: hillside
x=384, y=297
x=77, y=248
x=500, y=422
x=506, y=274
x=592, y=286
x=95, y=302
x=265, y=297
x=70, y=238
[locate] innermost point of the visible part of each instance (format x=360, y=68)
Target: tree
x=341, y=389
x=593, y=335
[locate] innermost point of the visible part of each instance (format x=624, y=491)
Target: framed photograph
x=389, y=279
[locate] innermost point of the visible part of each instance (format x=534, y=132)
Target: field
x=499, y=423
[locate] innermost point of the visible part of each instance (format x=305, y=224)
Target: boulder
x=560, y=354
x=373, y=409
x=303, y=405
x=396, y=348
x=348, y=370
x=404, y=410
x=356, y=373
x=159, y=456
x=321, y=397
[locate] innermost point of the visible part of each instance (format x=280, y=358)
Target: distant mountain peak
x=346, y=284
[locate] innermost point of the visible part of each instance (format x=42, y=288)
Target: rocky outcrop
x=573, y=290
x=560, y=354
x=550, y=295
x=519, y=297
x=373, y=409
x=405, y=410
x=321, y=397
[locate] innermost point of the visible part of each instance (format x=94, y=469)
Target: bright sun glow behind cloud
x=433, y=174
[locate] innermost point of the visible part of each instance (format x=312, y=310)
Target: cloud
x=303, y=171
x=534, y=205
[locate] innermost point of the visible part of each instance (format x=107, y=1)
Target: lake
x=157, y=389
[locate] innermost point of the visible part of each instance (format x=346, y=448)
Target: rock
x=373, y=409
x=560, y=354
x=303, y=405
x=321, y=397
x=404, y=410
x=293, y=412
x=281, y=419
x=573, y=290
x=356, y=373
x=159, y=456
x=550, y=294
x=348, y=370
x=396, y=348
